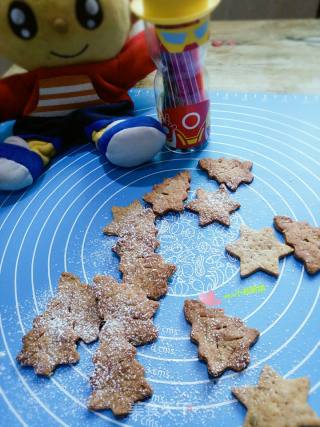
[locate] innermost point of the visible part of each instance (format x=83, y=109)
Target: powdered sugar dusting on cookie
x=230, y=172
x=213, y=207
x=127, y=310
x=70, y=316
x=170, y=195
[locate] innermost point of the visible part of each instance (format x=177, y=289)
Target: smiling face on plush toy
x=49, y=33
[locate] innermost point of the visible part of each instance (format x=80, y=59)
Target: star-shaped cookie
x=258, y=251
x=276, y=402
x=213, y=207
x=304, y=239
x=231, y=172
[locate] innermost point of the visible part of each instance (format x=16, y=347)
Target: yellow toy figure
x=81, y=63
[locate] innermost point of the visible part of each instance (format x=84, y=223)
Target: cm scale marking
x=56, y=226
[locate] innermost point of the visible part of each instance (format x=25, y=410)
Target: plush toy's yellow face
x=50, y=33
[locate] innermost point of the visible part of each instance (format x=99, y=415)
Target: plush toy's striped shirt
x=59, y=96
x=57, y=91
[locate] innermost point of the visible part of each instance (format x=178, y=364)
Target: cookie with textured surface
x=170, y=195
x=118, y=380
x=127, y=307
x=150, y=273
x=277, y=402
x=258, y=251
x=213, y=207
x=224, y=342
x=304, y=239
x=230, y=172
x=72, y=315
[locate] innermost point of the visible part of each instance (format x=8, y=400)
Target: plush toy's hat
x=173, y=12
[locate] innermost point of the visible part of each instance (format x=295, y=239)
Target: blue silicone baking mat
x=56, y=225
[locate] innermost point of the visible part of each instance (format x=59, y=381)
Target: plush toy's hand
x=131, y=142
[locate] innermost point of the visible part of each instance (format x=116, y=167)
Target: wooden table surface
x=262, y=56
x=265, y=56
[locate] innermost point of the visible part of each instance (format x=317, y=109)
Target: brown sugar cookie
x=276, y=402
x=127, y=307
x=70, y=316
x=150, y=273
x=120, y=215
x=170, y=195
x=213, y=207
x=258, y=251
x=136, y=228
x=118, y=380
x=136, y=246
x=230, y=172
x=224, y=342
x=304, y=239
x=131, y=221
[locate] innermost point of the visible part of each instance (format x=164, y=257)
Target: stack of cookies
x=127, y=310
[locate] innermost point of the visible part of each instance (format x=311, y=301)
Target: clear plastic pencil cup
x=183, y=104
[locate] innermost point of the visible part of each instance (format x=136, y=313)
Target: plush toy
x=81, y=63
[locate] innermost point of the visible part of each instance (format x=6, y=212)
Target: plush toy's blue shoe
x=127, y=142
x=130, y=142
x=19, y=166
